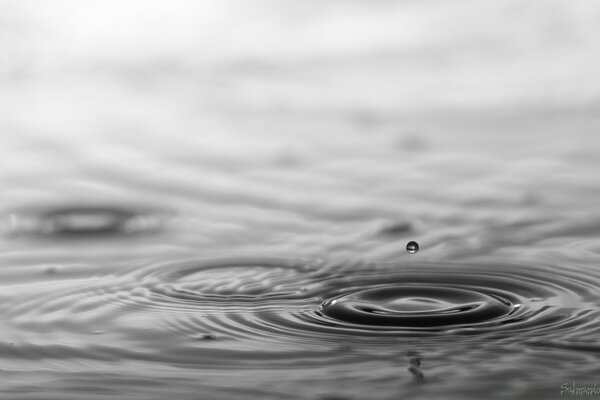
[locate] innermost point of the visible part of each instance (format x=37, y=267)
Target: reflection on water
x=281, y=200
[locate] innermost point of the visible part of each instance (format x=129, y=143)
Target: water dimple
x=412, y=247
x=84, y=221
x=205, y=336
x=430, y=300
x=416, y=306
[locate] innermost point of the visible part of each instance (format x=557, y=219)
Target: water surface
x=234, y=223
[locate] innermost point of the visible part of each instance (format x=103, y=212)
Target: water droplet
x=412, y=247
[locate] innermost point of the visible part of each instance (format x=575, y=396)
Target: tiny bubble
x=412, y=247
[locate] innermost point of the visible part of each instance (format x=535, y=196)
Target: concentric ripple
x=232, y=280
x=418, y=306
x=279, y=301
x=269, y=307
x=462, y=299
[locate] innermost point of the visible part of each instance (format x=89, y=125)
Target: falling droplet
x=412, y=247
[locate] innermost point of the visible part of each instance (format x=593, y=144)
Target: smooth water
x=260, y=228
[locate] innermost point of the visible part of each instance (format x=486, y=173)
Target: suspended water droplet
x=412, y=247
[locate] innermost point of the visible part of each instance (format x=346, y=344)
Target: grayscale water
x=233, y=223
x=412, y=247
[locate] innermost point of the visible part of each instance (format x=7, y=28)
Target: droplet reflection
x=412, y=247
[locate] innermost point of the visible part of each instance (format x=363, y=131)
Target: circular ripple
x=196, y=282
x=274, y=300
x=81, y=221
x=280, y=305
x=417, y=306
x=429, y=299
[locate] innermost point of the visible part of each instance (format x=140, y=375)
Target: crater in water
x=418, y=306
x=84, y=220
x=431, y=299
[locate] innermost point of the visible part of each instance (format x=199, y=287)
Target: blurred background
x=342, y=116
